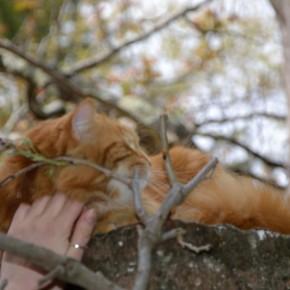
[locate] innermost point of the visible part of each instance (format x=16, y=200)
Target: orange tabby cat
x=223, y=198
x=80, y=134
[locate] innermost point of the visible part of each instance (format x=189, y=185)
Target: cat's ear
x=83, y=120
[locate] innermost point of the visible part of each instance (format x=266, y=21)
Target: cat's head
x=92, y=136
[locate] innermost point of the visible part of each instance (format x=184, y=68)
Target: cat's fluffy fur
x=222, y=198
x=80, y=134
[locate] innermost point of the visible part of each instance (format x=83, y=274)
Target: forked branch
x=151, y=233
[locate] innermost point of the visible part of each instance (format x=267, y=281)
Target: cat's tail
x=241, y=201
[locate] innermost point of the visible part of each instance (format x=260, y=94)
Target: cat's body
x=222, y=198
x=82, y=134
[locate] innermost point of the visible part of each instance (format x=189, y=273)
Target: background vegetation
x=216, y=70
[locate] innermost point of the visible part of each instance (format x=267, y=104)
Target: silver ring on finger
x=78, y=246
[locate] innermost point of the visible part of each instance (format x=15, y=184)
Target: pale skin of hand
x=54, y=222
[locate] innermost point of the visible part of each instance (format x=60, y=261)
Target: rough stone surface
x=238, y=260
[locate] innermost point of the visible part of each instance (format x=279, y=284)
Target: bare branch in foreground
x=50, y=276
x=74, y=272
x=172, y=234
x=165, y=147
x=140, y=210
x=151, y=232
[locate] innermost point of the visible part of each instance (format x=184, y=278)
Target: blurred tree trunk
x=282, y=9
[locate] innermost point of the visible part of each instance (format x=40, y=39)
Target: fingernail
x=91, y=215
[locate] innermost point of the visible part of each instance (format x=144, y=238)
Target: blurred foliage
x=28, y=18
x=218, y=62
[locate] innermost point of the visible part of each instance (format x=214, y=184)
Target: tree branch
x=74, y=272
x=247, y=173
x=245, y=117
x=31, y=93
x=105, y=171
x=94, y=62
x=151, y=234
x=140, y=210
x=165, y=150
x=22, y=171
x=233, y=141
x=68, y=91
x=39, y=160
x=66, y=87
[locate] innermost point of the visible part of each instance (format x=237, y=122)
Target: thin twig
x=165, y=150
x=74, y=272
x=50, y=276
x=58, y=161
x=201, y=175
x=242, y=117
x=191, y=247
x=105, y=171
x=172, y=234
x=234, y=141
x=22, y=171
x=58, y=78
x=139, y=208
x=94, y=62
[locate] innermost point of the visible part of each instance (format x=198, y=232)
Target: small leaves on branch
x=40, y=160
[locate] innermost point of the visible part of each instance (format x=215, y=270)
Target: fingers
x=55, y=205
x=82, y=233
x=61, y=213
x=70, y=212
x=39, y=206
x=55, y=222
x=20, y=214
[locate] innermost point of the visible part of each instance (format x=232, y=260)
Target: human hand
x=56, y=223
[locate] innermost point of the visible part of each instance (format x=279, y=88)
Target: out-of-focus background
x=215, y=67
